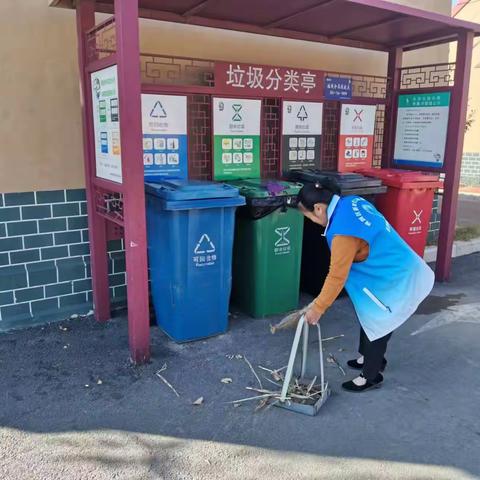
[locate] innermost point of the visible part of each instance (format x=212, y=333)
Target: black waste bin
x=315, y=250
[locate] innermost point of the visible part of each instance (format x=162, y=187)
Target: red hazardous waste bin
x=408, y=203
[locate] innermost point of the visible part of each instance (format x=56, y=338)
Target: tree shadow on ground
x=71, y=395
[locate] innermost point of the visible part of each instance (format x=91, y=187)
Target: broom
x=291, y=320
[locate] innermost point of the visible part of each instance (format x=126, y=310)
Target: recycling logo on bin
x=204, y=253
x=282, y=243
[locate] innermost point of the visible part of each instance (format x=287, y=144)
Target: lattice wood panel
x=330, y=132
x=428, y=76
x=200, y=152
x=271, y=137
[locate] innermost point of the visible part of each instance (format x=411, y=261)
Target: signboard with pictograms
x=164, y=124
x=286, y=82
x=301, y=135
x=422, y=123
x=106, y=124
x=236, y=138
x=357, y=137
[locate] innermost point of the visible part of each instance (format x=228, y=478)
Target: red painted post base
x=140, y=356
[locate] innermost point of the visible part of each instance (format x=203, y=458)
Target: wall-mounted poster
x=236, y=141
x=422, y=124
x=301, y=135
x=164, y=123
x=357, y=136
x=106, y=124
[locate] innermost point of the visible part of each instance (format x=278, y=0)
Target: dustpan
x=311, y=408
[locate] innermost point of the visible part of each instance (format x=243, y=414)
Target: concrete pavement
x=468, y=210
x=57, y=421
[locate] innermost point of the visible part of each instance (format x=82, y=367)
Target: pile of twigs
x=297, y=392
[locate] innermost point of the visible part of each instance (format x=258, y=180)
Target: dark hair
x=319, y=192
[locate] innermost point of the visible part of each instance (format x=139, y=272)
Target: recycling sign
x=205, y=252
x=158, y=111
x=236, y=141
x=164, y=121
x=301, y=135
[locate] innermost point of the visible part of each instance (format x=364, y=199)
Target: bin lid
x=264, y=188
x=404, y=179
x=346, y=181
x=180, y=190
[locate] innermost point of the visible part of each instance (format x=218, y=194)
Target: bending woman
x=385, y=279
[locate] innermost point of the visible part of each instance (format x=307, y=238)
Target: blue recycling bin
x=190, y=227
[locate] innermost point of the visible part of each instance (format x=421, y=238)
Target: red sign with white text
x=357, y=136
x=265, y=81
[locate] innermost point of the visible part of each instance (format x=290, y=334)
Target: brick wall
x=471, y=169
x=45, y=259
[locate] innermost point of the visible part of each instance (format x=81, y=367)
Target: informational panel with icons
x=301, y=135
x=164, y=123
x=236, y=141
x=106, y=125
x=357, y=137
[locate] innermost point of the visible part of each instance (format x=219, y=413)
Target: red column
x=96, y=224
x=453, y=154
x=395, y=57
x=129, y=85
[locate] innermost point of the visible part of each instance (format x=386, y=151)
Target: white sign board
x=236, y=138
x=106, y=124
x=164, y=125
x=422, y=124
x=301, y=135
x=357, y=119
x=164, y=114
x=302, y=118
x=357, y=137
x=234, y=116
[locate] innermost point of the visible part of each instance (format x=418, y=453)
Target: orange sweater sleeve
x=344, y=251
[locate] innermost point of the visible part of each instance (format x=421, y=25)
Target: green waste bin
x=267, y=248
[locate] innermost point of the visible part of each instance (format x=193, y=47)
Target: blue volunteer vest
x=387, y=288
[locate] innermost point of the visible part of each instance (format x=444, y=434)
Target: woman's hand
x=312, y=316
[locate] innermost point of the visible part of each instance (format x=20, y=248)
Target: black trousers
x=374, y=354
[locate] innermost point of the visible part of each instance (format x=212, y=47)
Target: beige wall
x=40, y=128
x=40, y=123
x=471, y=12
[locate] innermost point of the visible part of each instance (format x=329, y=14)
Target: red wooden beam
x=108, y=185
x=453, y=155
x=96, y=224
x=129, y=85
x=394, y=74
x=102, y=63
x=431, y=39
x=420, y=91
